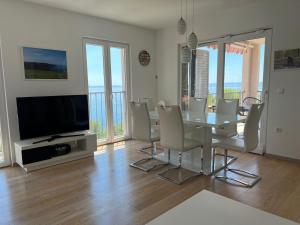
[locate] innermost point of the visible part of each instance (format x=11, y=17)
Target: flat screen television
x=52, y=115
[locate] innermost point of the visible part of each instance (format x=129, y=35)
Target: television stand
x=52, y=138
x=36, y=154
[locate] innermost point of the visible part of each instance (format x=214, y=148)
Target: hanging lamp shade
x=186, y=54
x=192, y=40
x=181, y=26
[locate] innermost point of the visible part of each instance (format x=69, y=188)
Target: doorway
x=231, y=67
x=107, y=79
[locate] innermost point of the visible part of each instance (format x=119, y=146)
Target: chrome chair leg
x=179, y=172
x=214, y=160
x=256, y=178
x=144, y=149
x=154, y=163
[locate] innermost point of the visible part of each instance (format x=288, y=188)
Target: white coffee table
x=207, y=208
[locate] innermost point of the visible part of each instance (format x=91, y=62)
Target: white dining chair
x=149, y=102
x=248, y=143
x=143, y=131
x=197, y=105
x=161, y=103
x=172, y=137
x=229, y=107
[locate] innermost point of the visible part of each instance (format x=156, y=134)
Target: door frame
x=106, y=44
x=267, y=34
x=3, y=115
x=222, y=41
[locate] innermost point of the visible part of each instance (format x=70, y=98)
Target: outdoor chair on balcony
x=143, y=131
x=247, y=103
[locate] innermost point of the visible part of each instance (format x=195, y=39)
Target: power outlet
x=279, y=130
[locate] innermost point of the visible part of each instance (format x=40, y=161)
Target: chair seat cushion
x=233, y=143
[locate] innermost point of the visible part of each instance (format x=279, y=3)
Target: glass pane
x=233, y=73
x=117, y=59
x=199, y=77
x=96, y=84
x=244, y=65
x=207, y=67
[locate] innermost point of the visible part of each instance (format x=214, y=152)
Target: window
x=199, y=78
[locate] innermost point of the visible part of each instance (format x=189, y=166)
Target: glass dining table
x=206, y=120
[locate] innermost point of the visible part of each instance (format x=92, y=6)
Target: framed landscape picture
x=45, y=63
x=287, y=59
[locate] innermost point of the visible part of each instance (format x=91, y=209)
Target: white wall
x=283, y=17
x=25, y=24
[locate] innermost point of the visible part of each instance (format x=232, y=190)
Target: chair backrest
x=229, y=107
x=197, y=105
x=171, y=127
x=251, y=127
x=149, y=102
x=141, y=124
x=161, y=103
x=248, y=101
x=226, y=106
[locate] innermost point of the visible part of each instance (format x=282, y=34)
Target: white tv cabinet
x=81, y=147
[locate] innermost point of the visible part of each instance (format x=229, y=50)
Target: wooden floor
x=105, y=190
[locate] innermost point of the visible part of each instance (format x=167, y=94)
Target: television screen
x=43, y=116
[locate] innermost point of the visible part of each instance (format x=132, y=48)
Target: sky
x=55, y=57
x=95, y=65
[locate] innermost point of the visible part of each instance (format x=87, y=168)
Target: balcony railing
x=211, y=99
x=228, y=94
x=98, y=113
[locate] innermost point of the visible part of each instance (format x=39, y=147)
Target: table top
x=209, y=119
x=207, y=208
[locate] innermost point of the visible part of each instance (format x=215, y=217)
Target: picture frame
x=44, y=64
x=287, y=59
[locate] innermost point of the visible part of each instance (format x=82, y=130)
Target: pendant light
x=181, y=25
x=193, y=40
x=186, y=53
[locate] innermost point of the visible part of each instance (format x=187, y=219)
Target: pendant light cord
x=180, y=8
x=193, y=16
x=186, y=13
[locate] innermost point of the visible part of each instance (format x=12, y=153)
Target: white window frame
x=107, y=70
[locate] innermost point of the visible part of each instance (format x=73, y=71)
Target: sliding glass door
x=232, y=67
x=106, y=68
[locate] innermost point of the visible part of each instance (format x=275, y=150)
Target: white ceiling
x=152, y=14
